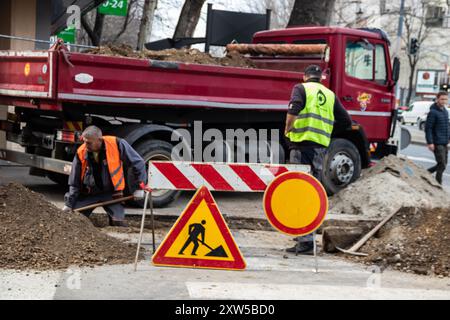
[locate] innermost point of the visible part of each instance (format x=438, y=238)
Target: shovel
x=104, y=203
x=217, y=252
x=353, y=250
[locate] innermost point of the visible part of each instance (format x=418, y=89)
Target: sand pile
x=232, y=59
x=392, y=184
x=414, y=240
x=34, y=234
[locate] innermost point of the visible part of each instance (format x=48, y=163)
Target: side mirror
x=396, y=70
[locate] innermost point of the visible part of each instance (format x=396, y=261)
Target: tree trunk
x=411, y=82
x=190, y=14
x=95, y=35
x=311, y=12
x=145, y=28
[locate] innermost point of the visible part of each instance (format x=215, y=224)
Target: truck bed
x=50, y=79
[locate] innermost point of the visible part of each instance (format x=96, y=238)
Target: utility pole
x=396, y=52
x=398, y=44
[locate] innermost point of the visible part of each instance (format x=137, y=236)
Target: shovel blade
x=360, y=254
x=217, y=252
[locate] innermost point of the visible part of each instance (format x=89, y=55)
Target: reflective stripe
x=194, y=103
x=315, y=116
x=116, y=186
x=318, y=131
x=116, y=171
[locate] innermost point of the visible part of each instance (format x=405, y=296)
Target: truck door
x=366, y=91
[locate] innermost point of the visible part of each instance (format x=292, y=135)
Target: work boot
x=302, y=248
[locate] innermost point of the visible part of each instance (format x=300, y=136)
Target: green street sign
x=114, y=8
x=68, y=35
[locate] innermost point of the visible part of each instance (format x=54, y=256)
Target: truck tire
x=341, y=165
x=157, y=150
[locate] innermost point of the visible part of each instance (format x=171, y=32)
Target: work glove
x=139, y=194
x=67, y=209
x=144, y=187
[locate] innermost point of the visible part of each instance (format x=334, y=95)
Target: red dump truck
x=56, y=93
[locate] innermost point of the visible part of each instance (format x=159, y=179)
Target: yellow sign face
x=295, y=203
x=199, y=234
x=200, y=238
x=27, y=69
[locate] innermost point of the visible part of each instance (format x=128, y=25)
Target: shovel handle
x=104, y=203
x=205, y=244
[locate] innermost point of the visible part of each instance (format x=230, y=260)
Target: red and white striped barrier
x=256, y=177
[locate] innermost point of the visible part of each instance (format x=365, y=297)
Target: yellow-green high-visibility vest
x=315, y=122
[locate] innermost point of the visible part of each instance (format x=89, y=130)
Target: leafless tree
x=308, y=12
x=190, y=14
x=281, y=10
x=99, y=28
x=145, y=27
x=94, y=33
x=415, y=27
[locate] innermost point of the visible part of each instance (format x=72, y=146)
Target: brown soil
x=34, y=234
x=415, y=240
x=232, y=59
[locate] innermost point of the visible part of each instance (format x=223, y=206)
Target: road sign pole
x=153, y=222
x=316, y=260
x=142, y=231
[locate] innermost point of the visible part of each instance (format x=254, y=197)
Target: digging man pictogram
x=195, y=230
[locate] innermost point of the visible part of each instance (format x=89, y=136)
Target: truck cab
x=357, y=69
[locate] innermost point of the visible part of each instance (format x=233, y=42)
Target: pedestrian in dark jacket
x=437, y=133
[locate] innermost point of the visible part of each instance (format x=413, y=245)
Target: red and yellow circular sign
x=295, y=203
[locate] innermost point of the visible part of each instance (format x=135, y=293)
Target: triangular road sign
x=200, y=238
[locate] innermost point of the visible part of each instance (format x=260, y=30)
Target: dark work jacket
x=437, y=129
x=130, y=159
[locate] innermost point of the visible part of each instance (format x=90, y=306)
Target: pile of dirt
x=390, y=185
x=232, y=59
x=34, y=234
x=414, y=240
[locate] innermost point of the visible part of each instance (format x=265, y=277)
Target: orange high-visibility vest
x=112, y=157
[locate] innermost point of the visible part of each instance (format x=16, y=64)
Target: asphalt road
x=270, y=273
x=424, y=157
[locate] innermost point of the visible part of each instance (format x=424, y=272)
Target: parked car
x=400, y=111
x=415, y=111
x=423, y=119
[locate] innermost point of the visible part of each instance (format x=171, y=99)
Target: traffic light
x=445, y=87
x=413, y=46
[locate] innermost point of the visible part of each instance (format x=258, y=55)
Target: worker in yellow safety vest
x=314, y=114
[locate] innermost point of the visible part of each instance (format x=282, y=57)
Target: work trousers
x=313, y=157
x=115, y=211
x=441, y=155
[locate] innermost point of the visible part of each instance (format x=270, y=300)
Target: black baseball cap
x=313, y=71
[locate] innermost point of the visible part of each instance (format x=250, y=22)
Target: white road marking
x=272, y=291
x=421, y=159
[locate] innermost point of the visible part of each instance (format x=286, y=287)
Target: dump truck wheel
x=341, y=165
x=156, y=150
